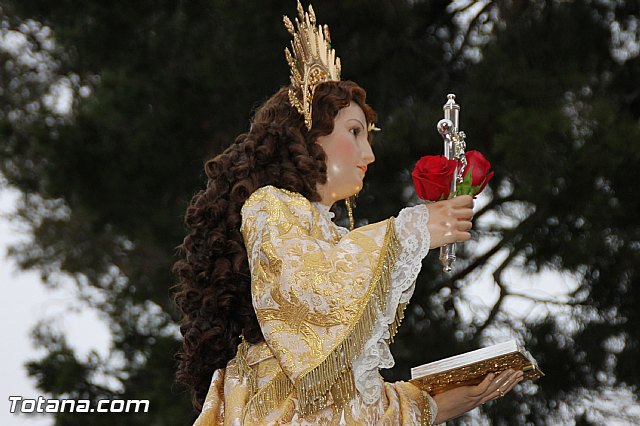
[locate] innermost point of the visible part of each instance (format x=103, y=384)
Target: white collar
x=324, y=210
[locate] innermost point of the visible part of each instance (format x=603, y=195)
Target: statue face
x=348, y=154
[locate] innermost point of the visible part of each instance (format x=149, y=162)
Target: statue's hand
x=458, y=401
x=450, y=220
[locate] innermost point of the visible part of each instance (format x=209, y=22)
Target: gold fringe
x=267, y=399
x=244, y=369
x=333, y=374
x=393, y=327
x=344, y=389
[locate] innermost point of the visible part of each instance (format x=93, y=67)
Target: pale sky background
x=26, y=301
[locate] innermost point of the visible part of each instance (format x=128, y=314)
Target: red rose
x=480, y=170
x=432, y=177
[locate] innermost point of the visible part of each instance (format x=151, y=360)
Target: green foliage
x=157, y=87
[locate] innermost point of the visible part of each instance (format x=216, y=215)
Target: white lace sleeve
x=413, y=234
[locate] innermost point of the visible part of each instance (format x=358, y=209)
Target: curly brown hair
x=214, y=281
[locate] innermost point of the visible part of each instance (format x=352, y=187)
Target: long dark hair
x=214, y=284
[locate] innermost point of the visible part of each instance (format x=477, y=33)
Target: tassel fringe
x=393, y=327
x=244, y=369
x=268, y=398
x=333, y=375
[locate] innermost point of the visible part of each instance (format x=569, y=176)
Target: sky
x=27, y=301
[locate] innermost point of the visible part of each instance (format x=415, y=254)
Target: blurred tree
x=108, y=111
x=551, y=100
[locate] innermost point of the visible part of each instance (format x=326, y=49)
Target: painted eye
x=355, y=131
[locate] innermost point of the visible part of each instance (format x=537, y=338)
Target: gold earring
x=350, y=204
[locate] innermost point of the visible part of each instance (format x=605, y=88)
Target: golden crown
x=312, y=62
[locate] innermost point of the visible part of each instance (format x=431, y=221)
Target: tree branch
x=492, y=204
x=497, y=277
x=507, y=238
x=465, y=40
x=465, y=7
x=545, y=301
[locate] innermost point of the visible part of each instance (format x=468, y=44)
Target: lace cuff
x=413, y=235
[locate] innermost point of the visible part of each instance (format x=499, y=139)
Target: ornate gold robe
x=329, y=302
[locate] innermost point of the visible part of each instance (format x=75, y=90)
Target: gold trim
x=426, y=419
x=333, y=376
x=267, y=399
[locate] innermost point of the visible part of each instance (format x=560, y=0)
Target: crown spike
x=288, y=25
x=300, y=9
x=312, y=15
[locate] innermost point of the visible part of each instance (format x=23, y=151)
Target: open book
x=471, y=367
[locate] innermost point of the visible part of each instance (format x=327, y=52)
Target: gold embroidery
x=266, y=370
x=258, y=352
x=297, y=318
x=330, y=302
x=275, y=264
x=282, y=352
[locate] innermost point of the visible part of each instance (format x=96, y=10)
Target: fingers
x=502, y=380
x=464, y=225
x=463, y=228
x=461, y=206
x=487, y=388
x=462, y=236
x=462, y=213
x=460, y=209
x=484, y=385
x=505, y=382
x=512, y=382
x=462, y=201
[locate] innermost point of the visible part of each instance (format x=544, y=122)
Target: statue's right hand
x=450, y=220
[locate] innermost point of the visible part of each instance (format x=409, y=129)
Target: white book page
x=467, y=358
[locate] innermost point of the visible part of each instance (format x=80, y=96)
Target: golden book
x=470, y=368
